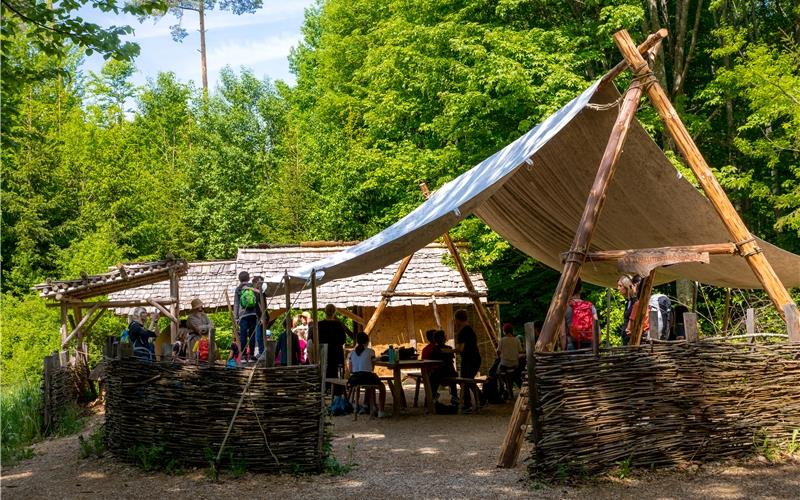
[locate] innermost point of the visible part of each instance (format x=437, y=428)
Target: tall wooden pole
x=373, y=320
x=288, y=320
x=740, y=235
x=591, y=213
x=476, y=302
x=313, y=326
x=175, y=306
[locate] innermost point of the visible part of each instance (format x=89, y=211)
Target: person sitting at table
x=361, y=361
x=428, y=349
x=444, y=353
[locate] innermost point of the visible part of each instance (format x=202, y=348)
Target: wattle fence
x=661, y=405
x=185, y=411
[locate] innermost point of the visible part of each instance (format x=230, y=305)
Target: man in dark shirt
x=467, y=347
x=333, y=332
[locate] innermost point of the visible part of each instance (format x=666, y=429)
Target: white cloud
x=249, y=53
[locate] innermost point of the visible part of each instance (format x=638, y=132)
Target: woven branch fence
x=662, y=405
x=186, y=411
x=61, y=389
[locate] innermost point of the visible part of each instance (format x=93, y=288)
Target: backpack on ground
x=202, y=349
x=661, y=303
x=247, y=298
x=582, y=327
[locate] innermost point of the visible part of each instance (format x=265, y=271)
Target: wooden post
x=287, y=322
x=750, y=321
x=373, y=320
x=63, y=323
x=323, y=359
x=46, y=397
x=792, y=322
x=313, y=325
x=591, y=213
x=644, y=295
x=212, y=347
x=175, y=307
x=740, y=235
x=76, y=311
x=479, y=307
x=655, y=332
x=690, y=327
x=608, y=317
x=526, y=406
x=76, y=332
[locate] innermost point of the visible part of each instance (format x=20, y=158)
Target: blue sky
x=259, y=41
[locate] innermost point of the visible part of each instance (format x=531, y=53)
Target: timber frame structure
x=79, y=314
x=491, y=327
x=645, y=261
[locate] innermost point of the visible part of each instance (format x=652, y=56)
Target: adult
x=444, y=353
x=467, y=347
x=258, y=284
x=281, y=354
x=362, y=372
x=627, y=287
x=246, y=310
x=333, y=333
x=198, y=321
x=508, y=350
x=140, y=336
x=581, y=321
x=428, y=349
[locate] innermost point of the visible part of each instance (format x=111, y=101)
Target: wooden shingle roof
x=120, y=278
x=208, y=281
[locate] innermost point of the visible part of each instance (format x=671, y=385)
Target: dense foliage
x=389, y=93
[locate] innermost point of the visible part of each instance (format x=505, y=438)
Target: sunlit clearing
x=481, y=473
x=369, y=436
x=21, y=475
x=428, y=451
x=352, y=484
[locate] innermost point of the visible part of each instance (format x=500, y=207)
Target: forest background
x=97, y=171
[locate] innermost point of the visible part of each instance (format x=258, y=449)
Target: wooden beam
x=651, y=42
x=164, y=311
x=479, y=308
x=313, y=327
x=792, y=322
x=690, y=327
x=174, y=295
x=645, y=290
x=610, y=255
x=349, y=314
x=275, y=314
x=741, y=236
x=63, y=306
x=591, y=213
x=434, y=294
x=78, y=326
x=110, y=303
x=373, y=320
x=287, y=322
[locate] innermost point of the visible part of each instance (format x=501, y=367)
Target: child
x=201, y=348
x=235, y=357
x=361, y=370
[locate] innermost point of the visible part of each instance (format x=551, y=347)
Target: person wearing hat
x=509, y=349
x=198, y=322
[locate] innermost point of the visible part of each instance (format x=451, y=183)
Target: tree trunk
x=203, y=47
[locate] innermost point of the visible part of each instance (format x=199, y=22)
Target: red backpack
x=202, y=349
x=582, y=327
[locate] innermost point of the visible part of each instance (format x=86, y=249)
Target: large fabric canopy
x=533, y=191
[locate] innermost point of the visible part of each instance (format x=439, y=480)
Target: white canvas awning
x=533, y=191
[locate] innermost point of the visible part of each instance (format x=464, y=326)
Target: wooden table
x=399, y=396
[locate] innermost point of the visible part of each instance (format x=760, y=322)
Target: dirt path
x=416, y=456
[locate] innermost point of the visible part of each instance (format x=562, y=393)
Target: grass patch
x=332, y=466
x=153, y=457
x=94, y=445
x=21, y=421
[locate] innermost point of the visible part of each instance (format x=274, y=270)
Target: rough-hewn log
x=651, y=42
x=741, y=236
x=349, y=314
x=591, y=213
x=79, y=326
x=607, y=255
x=434, y=294
x=376, y=315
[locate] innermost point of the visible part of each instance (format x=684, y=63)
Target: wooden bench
x=466, y=384
x=369, y=393
x=417, y=376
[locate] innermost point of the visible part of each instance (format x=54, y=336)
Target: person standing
x=508, y=351
x=333, y=332
x=467, y=347
x=626, y=286
x=246, y=311
x=140, y=336
x=581, y=321
x=258, y=283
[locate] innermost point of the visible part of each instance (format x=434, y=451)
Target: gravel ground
x=437, y=456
